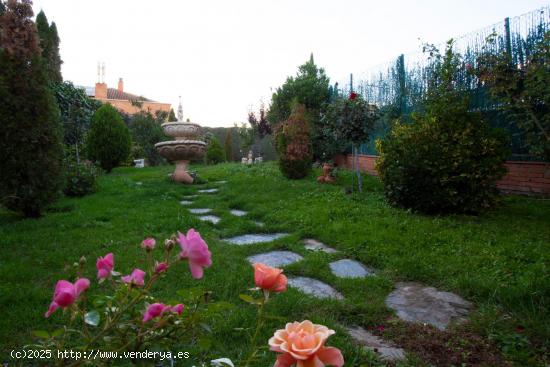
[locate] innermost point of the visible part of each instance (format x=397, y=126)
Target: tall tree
x=49, y=43
x=228, y=145
x=172, y=116
x=310, y=88
x=30, y=139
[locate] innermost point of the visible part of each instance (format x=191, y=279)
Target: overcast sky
x=224, y=56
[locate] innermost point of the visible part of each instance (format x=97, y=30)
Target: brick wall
x=527, y=178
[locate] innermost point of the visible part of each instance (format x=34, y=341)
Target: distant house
x=123, y=101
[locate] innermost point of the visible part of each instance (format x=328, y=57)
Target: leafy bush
x=108, y=141
x=146, y=132
x=31, y=152
x=448, y=159
x=294, y=144
x=214, y=151
x=80, y=179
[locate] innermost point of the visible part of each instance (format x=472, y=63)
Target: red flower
x=380, y=328
x=352, y=96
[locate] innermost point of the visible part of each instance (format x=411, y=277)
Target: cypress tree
x=30, y=139
x=49, y=43
x=228, y=145
x=172, y=116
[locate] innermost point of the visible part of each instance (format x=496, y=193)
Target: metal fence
x=401, y=83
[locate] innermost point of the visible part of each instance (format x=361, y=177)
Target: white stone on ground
x=385, y=349
x=187, y=197
x=416, y=302
x=208, y=191
x=248, y=239
x=314, y=287
x=200, y=210
x=314, y=245
x=210, y=218
x=259, y=224
x=186, y=202
x=220, y=182
x=347, y=268
x=275, y=258
x=238, y=213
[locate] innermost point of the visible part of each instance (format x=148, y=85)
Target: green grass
x=500, y=260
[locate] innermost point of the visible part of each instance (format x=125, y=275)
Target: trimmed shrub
x=214, y=151
x=294, y=144
x=80, y=179
x=449, y=159
x=31, y=153
x=108, y=141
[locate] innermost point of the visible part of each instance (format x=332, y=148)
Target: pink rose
x=177, y=308
x=161, y=267
x=195, y=250
x=136, y=278
x=302, y=344
x=154, y=310
x=148, y=244
x=105, y=265
x=66, y=293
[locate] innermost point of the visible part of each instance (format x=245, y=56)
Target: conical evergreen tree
x=172, y=116
x=228, y=145
x=49, y=43
x=30, y=139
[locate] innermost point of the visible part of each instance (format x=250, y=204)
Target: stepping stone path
x=385, y=349
x=208, y=191
x=314, y=287
x=248, y=239
x=186, y=202
x=347, y=268
x=314, y=245
x=210, y=218
x=200, y=210
x=275, y=259
x=417, y=303
x=238, y=213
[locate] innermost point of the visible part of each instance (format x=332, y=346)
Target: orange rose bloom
x=268, y=278
x=303, y=344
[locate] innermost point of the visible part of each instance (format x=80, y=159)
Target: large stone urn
x=185, y=147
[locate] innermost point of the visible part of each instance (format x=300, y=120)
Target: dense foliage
x=448, y=159
x=30, y=138
x=108, y=141
x=146, y=132
x=49, y=43
x=310, y=87
x=523, y=91
x=214, y=151
x=293, y=144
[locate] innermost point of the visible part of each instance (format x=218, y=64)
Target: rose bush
x=124, y=316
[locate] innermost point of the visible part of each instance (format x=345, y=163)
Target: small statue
x=250, y=157
x=327, y=176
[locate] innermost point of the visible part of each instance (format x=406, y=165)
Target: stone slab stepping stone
x=220, y=182
x=416, y=302
x=187, y=197
x=275, y=259
x=200, y=210
x=314, y=245
x=259, y=224
x=248, y=239
x=347, y=268
x=314, y=287
x=208, y=191
x=186, y=202
x=238, y=213
x=210, y=218
x=385, y=349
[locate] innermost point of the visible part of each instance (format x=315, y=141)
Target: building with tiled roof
x=125, y=102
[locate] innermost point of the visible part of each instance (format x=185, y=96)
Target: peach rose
x=268, y=278
x=303, y=344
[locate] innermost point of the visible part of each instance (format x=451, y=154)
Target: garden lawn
x=500, y=260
